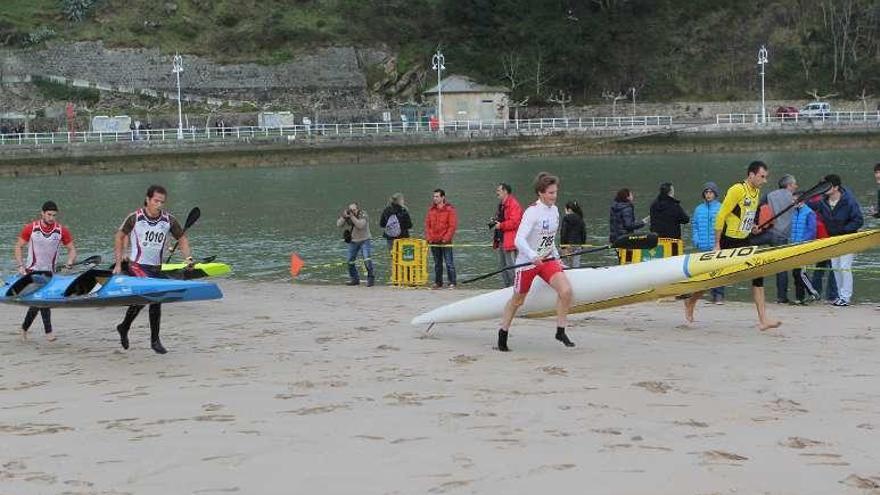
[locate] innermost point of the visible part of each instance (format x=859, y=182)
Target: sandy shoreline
x=303, y=389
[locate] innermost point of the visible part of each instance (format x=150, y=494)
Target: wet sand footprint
x=799, y=443
x=33, y=429
x=691, y=422
x=654, y=386
x=464, y=359
x=854, y=480
x=721, y=456
x=307, y=411
x=449, y=486
x=554, y=370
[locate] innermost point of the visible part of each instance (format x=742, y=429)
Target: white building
x=464, y=99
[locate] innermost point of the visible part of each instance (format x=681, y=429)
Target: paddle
x=192, y=218
x=91, y=260
x=206, y=259
x=820, y=188
x=640, y=241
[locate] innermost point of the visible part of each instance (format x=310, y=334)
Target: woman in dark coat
x=622, y=219
x=572, y=234
x=667, y=215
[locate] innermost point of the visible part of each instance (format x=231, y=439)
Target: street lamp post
x=438, y=62
x=762, y=61
x=178, y=68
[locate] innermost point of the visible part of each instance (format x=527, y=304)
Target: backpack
x=765, y=213
x=392, y=227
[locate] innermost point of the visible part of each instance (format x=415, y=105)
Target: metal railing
x=294, y=132
x=832, y=117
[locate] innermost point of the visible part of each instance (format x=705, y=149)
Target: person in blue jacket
x=803, y=229
x=841, y=215
x=703, y=228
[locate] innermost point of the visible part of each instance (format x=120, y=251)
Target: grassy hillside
x=542, y=49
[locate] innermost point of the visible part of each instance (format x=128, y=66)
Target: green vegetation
x=62, y=92
x=665, y=49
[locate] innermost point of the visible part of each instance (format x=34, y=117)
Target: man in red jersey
x=44, y=238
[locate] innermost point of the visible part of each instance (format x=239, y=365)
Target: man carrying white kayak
x=536, y=243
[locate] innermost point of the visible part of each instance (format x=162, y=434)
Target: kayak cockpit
x=88, y=282
x=27, y=284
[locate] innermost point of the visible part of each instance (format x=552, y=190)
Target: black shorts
x=730, y=243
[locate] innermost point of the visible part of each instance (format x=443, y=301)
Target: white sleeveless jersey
x=148, y=237
x=43, y=250
x=536, y=235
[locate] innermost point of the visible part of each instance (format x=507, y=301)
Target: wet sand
x=293, y=389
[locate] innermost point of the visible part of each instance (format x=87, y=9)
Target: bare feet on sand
x=23, y=335
x=689, y=306
x=769, y=325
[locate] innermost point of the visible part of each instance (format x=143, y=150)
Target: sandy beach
x=281, y=389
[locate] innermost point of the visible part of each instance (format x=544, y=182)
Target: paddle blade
x=296, y=264
x=820, y=188
x=636, y=241
x=192, y=218
x=91, y=260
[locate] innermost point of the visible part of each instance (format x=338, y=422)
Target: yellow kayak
x=764, y=262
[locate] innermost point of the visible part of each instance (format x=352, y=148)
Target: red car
x=787, y=113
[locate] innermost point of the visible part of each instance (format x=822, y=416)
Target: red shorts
x=524, y=277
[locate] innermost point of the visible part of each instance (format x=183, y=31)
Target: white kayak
x=591, y=285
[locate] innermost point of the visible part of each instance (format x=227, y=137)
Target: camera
x=492, y=223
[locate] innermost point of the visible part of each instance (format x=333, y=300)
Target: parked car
x=816, y=109
x=787, y=113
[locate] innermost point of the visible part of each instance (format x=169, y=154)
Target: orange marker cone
x=296, y=264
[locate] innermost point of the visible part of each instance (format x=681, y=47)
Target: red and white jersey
x=536, y=235
x=44, y=242
x=147, y=236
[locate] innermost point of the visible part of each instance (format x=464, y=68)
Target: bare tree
x=516, y=105
x=817, y=97
x=608, y=95
x=511, y=65
x=561, y=97
x=838, y=16
x=541, y=74
x=864, y=97
x=606, y=5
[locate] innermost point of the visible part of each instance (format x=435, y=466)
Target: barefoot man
x=44, y=238
x=536, y=243
x=733, y=226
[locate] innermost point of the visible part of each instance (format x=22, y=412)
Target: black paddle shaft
x=646, y=241
x=820, y=188
x=192, y=218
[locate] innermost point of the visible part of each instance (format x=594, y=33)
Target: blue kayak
x=98, y=288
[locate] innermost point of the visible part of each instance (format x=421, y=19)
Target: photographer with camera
x=356, y=233
x=504, y=225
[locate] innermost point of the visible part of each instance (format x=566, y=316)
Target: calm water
x=253, y=219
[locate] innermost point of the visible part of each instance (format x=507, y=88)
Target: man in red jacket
x=507, y=220
x=440, y=224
